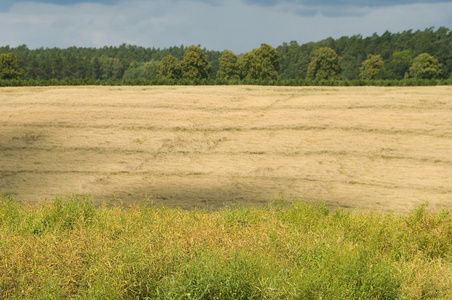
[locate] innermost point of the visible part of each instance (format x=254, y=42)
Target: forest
x=422, y=54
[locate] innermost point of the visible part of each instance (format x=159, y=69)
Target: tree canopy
x=228, y=66
x=400, y=63
x=9, y=66
x=195, y=63
x=425, y=66
x=371, y=67
x=260, y=63
x=325, y=64
x=346, y=58
x=396, y=49
x=170, y=68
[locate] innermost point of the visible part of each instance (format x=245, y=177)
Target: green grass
x=68, y=248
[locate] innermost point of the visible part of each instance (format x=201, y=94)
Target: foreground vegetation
x=69, y=248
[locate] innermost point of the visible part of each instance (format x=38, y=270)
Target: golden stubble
x=379, y=148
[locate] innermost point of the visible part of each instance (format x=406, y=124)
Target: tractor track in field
x=365, y=147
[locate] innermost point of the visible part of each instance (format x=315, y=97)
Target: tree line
x=396, y=50
x=422, y=55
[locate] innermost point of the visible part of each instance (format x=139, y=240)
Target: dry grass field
x=386, y=149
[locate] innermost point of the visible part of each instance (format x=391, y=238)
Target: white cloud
x=230, y=24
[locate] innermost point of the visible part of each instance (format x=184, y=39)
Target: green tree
x=371, y=66
x=110, y=68
x=260, y=63
x=269, y=58
x=96, y=68
x=148, y=70
x=325, y=64
x=400, y=63
x=353, y=51
x=133, y=71
x=249, y=66
x=425, y=66
x=228, y=66
x=195, y=63
x=169, y=67
x=294, y=60
x=9, y=67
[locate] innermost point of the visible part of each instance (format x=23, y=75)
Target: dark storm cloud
x=336, y=8
x=336, y=3
x=7, y=4
x=238, y=25
x=67, y=2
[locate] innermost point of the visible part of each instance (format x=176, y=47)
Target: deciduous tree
x=260, y=63
x=228, y=66
x=148, y=70
x=269, y=58
x=325, y=64
x=250, y=67
x=170, y=67
x=371, y=67
x=425, y=66
x=111, y=68
x=9, y=67
x=195, y=64
x=400, y=63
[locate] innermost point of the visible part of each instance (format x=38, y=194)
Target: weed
x=69, y=248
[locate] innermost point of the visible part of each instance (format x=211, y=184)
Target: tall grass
x=69, y=248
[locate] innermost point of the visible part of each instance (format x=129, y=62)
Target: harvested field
x=376, y=148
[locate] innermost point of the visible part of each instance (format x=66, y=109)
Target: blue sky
x=238, y=25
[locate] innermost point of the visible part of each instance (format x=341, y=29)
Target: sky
x=237, y=25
